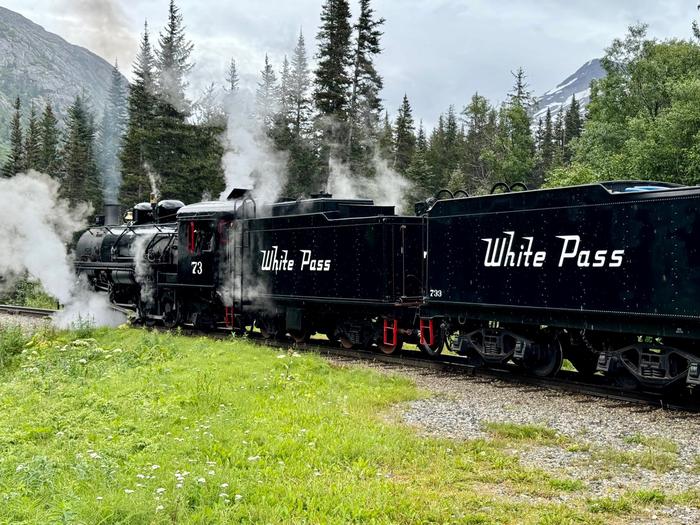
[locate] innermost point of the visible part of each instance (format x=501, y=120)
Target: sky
x=438, y=52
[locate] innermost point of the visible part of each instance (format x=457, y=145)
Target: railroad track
x=43, y=312
x=565, y=382
x=26, y=311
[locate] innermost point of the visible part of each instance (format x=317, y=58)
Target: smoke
x=35, y=225
x=250, y=159
x=153, y=180
x=87, y=307
x=100, y=25
x=386, y=188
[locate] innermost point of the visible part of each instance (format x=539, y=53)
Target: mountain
x=38, y=66
x=577, y=84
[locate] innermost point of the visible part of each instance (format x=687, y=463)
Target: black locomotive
x=605, y=275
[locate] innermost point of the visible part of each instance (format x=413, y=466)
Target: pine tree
x=15, y=162
x=285, y=92
x=419, y=172
x=547, y=145
x=559, y=139
x=332, y=83
x=299, y=89
x=386, y=139
x=140, y=132
x=405, y=141
x=80, y=176
x=232, y=78
x=479, y=118
x=573, y=124
x=365, y=103
x=49, y=141
x=444, y=153
x=266, y=96
x=112, y=129
x=32, y=145
x=173, y=64
x=334, y=57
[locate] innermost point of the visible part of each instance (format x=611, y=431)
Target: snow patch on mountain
x=578, y=84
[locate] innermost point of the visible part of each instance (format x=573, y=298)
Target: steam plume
x=250, y=159
x=35, y=225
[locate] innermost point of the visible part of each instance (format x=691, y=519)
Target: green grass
x=534, y=433
x=649, y=459
x=653, y=442
x=133, y=427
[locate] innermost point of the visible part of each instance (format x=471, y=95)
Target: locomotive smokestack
x=113, y=214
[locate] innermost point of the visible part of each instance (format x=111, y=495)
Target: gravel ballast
x=597, y=435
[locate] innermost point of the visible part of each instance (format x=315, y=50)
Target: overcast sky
x=437, y=51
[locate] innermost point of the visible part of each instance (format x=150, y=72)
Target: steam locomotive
x=605, y=275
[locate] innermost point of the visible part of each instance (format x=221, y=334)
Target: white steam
x=250, y=159
x=143, y=272
x=386, y=188
x=35, y=225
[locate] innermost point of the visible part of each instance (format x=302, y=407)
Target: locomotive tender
x=606, y=275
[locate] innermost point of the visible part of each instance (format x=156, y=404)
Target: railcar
x=606, y=275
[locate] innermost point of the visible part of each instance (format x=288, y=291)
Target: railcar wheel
x=389, y=349
x=585, y=362
x=547, y=361
x=432, y=350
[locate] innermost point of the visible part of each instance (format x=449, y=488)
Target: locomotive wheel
x=548, y=361
x=299, y=336
x=388, y=349
x=346, y=343
x=268, y=329
x=171, y=314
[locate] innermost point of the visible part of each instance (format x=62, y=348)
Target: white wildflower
x=128, y=491
x=253, y=458
x=155, y=467
x=159, y=508
x=82, y=361
x=201, y=480
x=99, y=498
x=238, y=497
x=160, y=490
x=224, y=485
x=223, y=495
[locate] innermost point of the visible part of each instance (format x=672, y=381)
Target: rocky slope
x=38, y=66
x=577, y=84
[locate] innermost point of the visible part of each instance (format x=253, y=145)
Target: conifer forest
x=321, y=111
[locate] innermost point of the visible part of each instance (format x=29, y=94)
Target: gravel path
x=599, y=435
x=28, y=324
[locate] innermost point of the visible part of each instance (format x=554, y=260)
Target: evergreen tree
x=80, y=176
x=285, y=92
x=514, y=142
x=386, y=139
x=332, y=82
x=32, y=145
x=140, y=130
x=365, y=103
x=573, y=125
x=559, y=139
x=299, y=89
x=547, y=145
x=479, y=117
x=445, y=151
x=173, y=64
x=208, y=110
x=405, y=141
x=15, y=162
x=334, y=57
x=266, y=96
x=49, y=141
x=232, y=78
x=112, y=128
x=419, y=172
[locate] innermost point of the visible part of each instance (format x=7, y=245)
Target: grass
x=533, y=433
x=653, y=442
x=650, y=459
x=133, y=427
x=31, y=294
